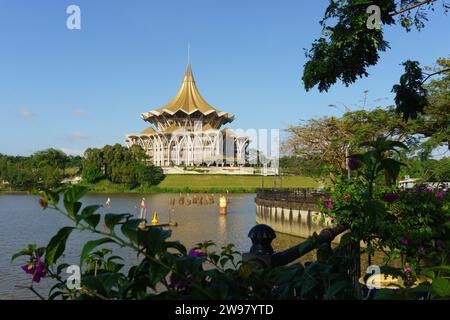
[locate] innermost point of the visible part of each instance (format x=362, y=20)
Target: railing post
x=261, y=251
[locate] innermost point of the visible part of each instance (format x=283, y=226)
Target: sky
x=74, y=89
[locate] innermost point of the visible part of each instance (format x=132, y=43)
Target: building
x=188, y=132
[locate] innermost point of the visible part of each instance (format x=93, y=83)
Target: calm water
x=23, y=222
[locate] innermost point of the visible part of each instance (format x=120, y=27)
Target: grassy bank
x=208, y=183
x=199, y=183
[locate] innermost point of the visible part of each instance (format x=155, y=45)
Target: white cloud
x=26, y=113
x=79, y=112
x=78, y=136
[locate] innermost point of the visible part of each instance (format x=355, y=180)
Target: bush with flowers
x=411, y=225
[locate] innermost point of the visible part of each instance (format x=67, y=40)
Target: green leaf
x=57, y=245
x=441, y=287
x=25, y=252
x=71, y=197
x=111, y=219
x=89, y=210
x=155, y=239
x=93, y=220
x=445, y=269
x=91, y=245
x=386, y=294
x=130, y=229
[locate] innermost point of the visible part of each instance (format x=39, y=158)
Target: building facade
x=188, y=131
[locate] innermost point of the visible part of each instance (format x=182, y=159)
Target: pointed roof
x=188, y=100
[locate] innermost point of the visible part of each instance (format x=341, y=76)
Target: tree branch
x=435, y=73
x=410, y=8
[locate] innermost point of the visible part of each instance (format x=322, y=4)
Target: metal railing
x=289, y=195
x=262, y=254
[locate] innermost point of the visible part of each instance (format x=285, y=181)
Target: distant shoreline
x=151, y=191
x=197, y=184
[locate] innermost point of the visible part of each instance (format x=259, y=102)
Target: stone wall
x=293, y=218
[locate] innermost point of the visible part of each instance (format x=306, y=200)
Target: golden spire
x=188, y=100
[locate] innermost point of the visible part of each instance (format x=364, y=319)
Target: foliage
x=410, y=224
x=327, y=140
x=348, y=47
x=298, y=165
x=410, y=95
x=429, y=170
x=120, y=165
x=434, y=124
x=44, y=169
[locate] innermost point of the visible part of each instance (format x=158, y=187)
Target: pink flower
x=422, y=250
x=440, y=194
x=408, y=269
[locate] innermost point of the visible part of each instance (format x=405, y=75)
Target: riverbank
x=201, y=184
x=208, y=184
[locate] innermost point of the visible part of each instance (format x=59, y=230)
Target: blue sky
x=73, y=89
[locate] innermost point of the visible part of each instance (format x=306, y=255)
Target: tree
x=93, y=165
x=349, y=46
x=329, y=139
x=120, y=165
x=434, y=124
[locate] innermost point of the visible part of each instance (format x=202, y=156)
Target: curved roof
x=188, y=100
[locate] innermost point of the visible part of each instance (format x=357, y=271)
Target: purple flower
x=177, y=283
x=390, y=197
x=196, y=253
x=36, y=269
x=408, y=269
x=404, y=241
x=354, y=164
x=422, y=186
x=429, y=190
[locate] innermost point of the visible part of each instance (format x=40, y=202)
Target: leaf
x=93, y=220
x=385, y=294
x=308, y=285
x=441, y=287
x=89, y=210
x=130, y=229
x=445, y=269
x=111, y=219
x=57, y=245
x=26, y=252
x=155, y=239
x=91, y=245
x=71, y=197
x=335, y=288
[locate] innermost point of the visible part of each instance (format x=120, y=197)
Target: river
x=23, y=222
